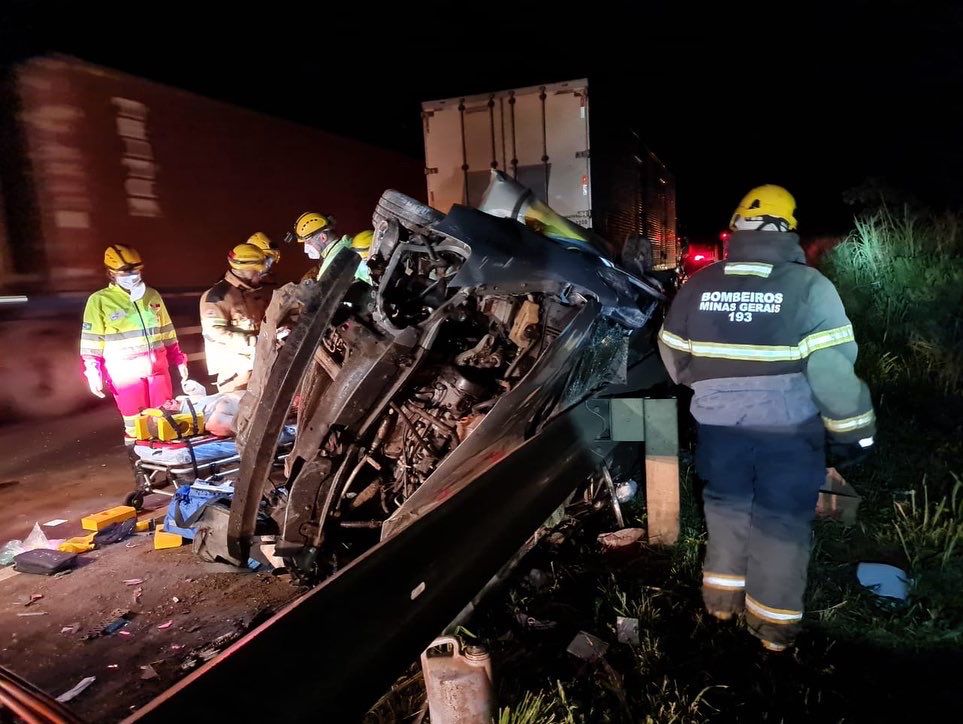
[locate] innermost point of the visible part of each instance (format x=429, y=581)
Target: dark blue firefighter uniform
x=764, y=342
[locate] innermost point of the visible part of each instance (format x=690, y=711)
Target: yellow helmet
x=119, y=258
x=769, y=201
x=247, y=257
x=262, y=242
x=310, y=223
x=361, y=242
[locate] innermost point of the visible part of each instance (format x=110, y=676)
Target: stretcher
x=158, y=464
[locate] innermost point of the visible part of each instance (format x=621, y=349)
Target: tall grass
x=901, y=277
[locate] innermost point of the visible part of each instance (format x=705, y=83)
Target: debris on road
x=33, y=613
x=55, y=522
x=34, y=597
x=133, y=581
x=166, y=625
x=625, y=540
x=587, y=647
x=884, y=580
x=539, y=578
x=627, y=630
x=114, y=626
x=70, y=629
x=147, y=673
x=77, y=690
x=533, y=624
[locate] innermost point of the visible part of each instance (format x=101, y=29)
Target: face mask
x=311, y=250
x=133, y=283
x=127, y=281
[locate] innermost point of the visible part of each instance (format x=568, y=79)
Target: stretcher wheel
x=135, y=500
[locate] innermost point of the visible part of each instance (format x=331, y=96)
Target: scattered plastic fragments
x=78, y=689
x=538, y=578
x=34, y=597
x=114, y=626
x=627, y=630
x=587, y=647
x=33, y=613
x=532, y=623
x=147, y=673
x=71, y=629
x=133, y=581
x=166, y=624
x=55, y=522
x=884, y=580
x=113, y=666
x=624, y=492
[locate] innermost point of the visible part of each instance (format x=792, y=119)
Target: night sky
x=818, y=97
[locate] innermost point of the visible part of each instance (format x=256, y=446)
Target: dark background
x=819, y=97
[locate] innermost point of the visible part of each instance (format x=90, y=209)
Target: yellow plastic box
x=163, y=539
x=99, y=521
x=152, y=425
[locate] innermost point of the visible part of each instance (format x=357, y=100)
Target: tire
x=135, y=500
x=410, y=213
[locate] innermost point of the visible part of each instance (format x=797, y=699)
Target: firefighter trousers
x=760, y=500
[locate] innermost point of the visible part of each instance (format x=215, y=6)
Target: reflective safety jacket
x=327, y=256
x=764, y=342
x=125, y=339
x=231, y=314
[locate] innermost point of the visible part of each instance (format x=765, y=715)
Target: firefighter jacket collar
x=236, y=281
x=773, y=247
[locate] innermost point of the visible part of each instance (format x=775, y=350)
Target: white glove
x=96, y=383
x=193, y=388
x=182, y=369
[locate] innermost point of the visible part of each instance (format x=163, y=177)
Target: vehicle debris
x=33, y=613
x=533, y=624
x=627, y=539
x=166, y=625
x=79, y=688
x=55, y=522
x=34, y=597
x=148, y=672
x=133, y=581
x=587, y=647
x=627, y=630
x=70, y=629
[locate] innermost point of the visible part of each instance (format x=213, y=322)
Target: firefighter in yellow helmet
x=231, y=314
x=262, y=242
x=128, y=340
x=273, y=254
x=321, y=243
x=764, y=342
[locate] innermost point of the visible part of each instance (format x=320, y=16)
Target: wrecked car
x=479, y=329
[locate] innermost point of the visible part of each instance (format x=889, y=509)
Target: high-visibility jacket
x=764, y=341
x=125, y=339
x=327, y=256
x=231, y=314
